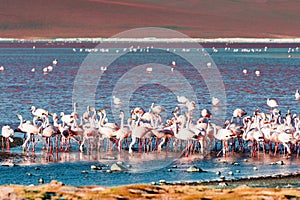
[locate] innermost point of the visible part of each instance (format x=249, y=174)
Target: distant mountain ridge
x=105, y=18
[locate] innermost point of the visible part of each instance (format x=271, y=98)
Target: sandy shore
x=57, y=190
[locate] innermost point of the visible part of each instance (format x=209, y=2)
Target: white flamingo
x=157, y=109
x=224, y=135
x=54, y=62
x=184, y=134
x=29, y=128
x=139, y=132
x=86, y=115
x=253, y=134
x=215, y=101
x=182, y=99
x=238, y=113
x=272, y=103
x=48, y=131
x=116, y=100
x=7, y=134
x=38, y=113
x=124, y=131
x=67, y=119
x=104, y=121
x=206, y=113
x=89, y=133
x=296, y=134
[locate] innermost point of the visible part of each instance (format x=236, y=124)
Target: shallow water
x=22, y=88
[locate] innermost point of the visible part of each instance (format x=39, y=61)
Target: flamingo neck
x=122, y=122
x=21, y=120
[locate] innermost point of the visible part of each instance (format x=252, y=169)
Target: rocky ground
x=221, y=190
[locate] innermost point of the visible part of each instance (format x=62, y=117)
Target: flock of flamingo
x=267, y=132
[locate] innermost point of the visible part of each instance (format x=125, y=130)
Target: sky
x=105, y=18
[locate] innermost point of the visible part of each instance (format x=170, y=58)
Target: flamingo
x=161, y=133
x=48, y=131
x=67, y=119
x=116, y=100
x=7, y=133
x=272, y=103
x=138, y=131
x=38, y=113
x=185, y=134
x=124, y=131
x=188, y=132
x=146, y=117
x=283, y=138
x=190, y=105
x=157, y=109
x=74, y=113
x=238, y=113
x=296, y=134
x=215, y=101
x=224, y=134
x=164, y=134
x=253, y=134
x=86, y=114
x=89, y=132
x=28, y=128
x=182, y=99
x=176, y=112
x=104, y=121
x=206, y=113
x=50, y=68
x=54, y=62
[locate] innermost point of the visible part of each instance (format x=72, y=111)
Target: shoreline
x=218, y=190
x=150, y=42
x=155, y=39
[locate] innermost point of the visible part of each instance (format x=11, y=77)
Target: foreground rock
x=118, y=167
x=194, y=169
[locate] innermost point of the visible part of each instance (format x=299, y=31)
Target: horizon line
x=153, y=39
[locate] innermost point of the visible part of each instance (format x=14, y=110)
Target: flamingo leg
x=131, y=144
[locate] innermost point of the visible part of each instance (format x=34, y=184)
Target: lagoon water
x=56, y=91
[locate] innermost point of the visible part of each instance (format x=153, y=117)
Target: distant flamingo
x=54, y=62
x=157, y=109
x=215, y=101
x=116, y=100
x=272, y=103
x=182, y=99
